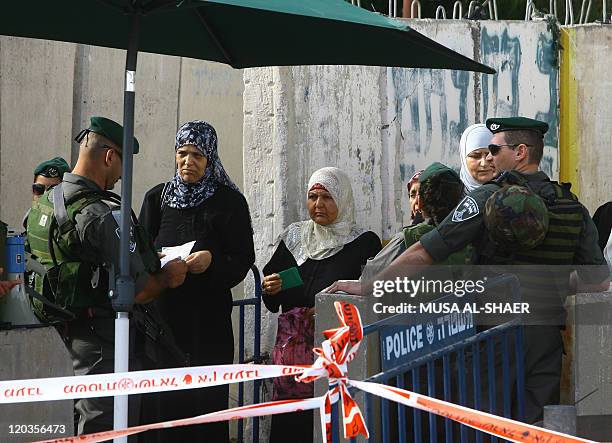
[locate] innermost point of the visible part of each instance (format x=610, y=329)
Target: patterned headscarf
x=182, y=195
x=474, y=137
x=310, y=240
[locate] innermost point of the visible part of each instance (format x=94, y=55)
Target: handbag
x=293, y=346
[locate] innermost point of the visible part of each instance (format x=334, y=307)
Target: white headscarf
x=309, y=240
x=474, y=137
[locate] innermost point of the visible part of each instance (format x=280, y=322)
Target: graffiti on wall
x=431, y=108
x=526, y=81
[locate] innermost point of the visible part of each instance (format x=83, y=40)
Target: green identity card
x=290, y=278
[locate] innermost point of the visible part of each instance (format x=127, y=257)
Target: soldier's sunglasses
x=38, y=188
x=494, y=149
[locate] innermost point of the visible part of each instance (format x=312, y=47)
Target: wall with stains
x=48, y=91
x=586, y=111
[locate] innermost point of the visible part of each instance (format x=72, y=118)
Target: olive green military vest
x=70, y=282
x=545, y=286
x=565, y=226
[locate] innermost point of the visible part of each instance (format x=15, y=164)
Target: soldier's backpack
x=75, y=279
x=522, y=232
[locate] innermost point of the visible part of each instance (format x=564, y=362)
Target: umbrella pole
x=124, y=300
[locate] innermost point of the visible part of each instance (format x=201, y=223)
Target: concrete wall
x=34, y=353
x=590, y=353
x=36, y=79
x=48, y=91
x=586, y=112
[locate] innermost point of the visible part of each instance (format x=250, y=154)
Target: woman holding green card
x=309, y=256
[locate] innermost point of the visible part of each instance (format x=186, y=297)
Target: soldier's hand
x=198, y=261
x=174, y=273
x=272, y=284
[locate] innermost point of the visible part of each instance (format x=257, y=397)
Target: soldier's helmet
x=516, y=218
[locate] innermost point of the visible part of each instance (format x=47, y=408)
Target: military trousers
x=90, y=342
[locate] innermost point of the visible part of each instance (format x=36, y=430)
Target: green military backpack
x=75, y=278
x=531, y=222
x=72, y=282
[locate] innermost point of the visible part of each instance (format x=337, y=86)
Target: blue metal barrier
x=256, y=357
x=409, y=376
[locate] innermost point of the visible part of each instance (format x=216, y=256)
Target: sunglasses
x=494, y=149
x=39, y=189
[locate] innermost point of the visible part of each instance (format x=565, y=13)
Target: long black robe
x=317, y=275
x=199, y=311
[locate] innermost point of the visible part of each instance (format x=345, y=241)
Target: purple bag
x=294, y=343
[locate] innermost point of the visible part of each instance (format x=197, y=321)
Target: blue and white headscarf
x=182, y=195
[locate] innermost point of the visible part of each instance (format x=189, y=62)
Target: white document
x=173, y=252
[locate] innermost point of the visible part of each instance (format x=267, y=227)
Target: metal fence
x=447, y=371
x=256, y=357
x=488, y=10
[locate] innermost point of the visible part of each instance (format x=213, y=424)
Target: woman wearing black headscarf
x=200, y=203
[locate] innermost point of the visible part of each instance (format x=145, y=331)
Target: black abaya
x=199, y=311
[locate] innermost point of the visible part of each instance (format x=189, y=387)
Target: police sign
x=421, y=334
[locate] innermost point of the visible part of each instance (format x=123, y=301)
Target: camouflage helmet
x=516, y=218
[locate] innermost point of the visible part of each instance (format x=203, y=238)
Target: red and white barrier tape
x=336, y=351
x=137, y=382
x=491, y=424
x=270, y=408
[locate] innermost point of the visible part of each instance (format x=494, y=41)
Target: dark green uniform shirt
x=99, y=231
x=398, y=244
x=465, y=225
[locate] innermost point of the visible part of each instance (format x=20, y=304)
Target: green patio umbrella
x=240, y=33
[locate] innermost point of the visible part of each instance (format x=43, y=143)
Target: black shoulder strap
x=48, y=303
x=59, y=206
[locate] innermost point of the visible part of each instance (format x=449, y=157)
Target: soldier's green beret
x=436, y=169
x=56, y=167
x=516, y=218
x=496, y=125
x=109, y=129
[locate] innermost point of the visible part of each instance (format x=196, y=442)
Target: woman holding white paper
x=201, y=204
x=309, y=256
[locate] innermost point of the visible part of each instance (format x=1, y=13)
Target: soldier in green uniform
x=571, y=239
x=46, y=175
x=73, y=230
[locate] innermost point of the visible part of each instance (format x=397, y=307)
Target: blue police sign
x=425, y=332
